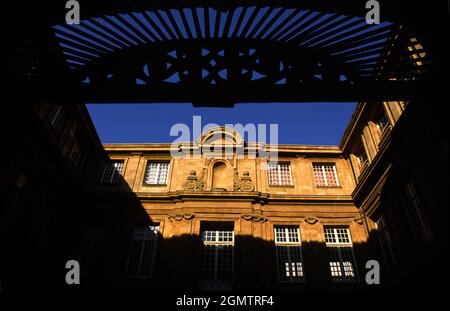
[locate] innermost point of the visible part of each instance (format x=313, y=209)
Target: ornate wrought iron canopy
x=238, y=51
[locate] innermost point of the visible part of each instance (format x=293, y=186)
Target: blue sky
x=298, y=123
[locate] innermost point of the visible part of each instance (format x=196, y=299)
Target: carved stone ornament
x=254, y=218
x=359, y=220
x=193, y=183
x=180, y=217
x=311, y=220
x=244, y=183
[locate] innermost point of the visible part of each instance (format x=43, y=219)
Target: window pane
x=112, y=172
x=290, y=266
x=340, y=254
x=156, y=173
x=217, y=266
x=289, y=254
x=280, y=174
x=142, y=251
x=325, y=175
x=318, y=175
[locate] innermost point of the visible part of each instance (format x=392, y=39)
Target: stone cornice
x=237, y=196
x=164, y=147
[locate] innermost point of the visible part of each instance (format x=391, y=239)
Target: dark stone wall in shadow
x=417, y=155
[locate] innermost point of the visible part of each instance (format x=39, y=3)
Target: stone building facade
x=220, y=214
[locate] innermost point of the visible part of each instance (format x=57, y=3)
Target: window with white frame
x=340, y=254
x=141, y=256
x=280, y=174
x=289, y=254
x=325, y=174
x=56, y=119
x=384, y=239
x=156, y=173
x=415, y=213
x=112, y=172
x=217, y=268
x=383, y=122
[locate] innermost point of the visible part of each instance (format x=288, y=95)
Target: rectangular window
x=112, y=172
x=156, y=173
x=325, y=175
x=340, y=253
x=217, y=268
x=56, y=119
x=414, y=211
x=289, y=254
x=362, y=158
x=280, y=174
x=75, y=154
x=141, y=256
x=384, y=239
x=383, y=122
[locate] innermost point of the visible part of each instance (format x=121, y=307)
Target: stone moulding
x=311, y=220
x=359, y=220
x=180, y=217
x=254, y=217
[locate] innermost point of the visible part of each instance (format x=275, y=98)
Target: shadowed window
x=141, y=256
x=415, y=213
x=76, y=154
x=340, y=254
x=218, y=254
x=112, y=172
x=385, y=241
x=56, y=119
x=289, y=254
